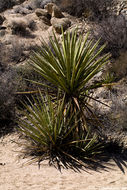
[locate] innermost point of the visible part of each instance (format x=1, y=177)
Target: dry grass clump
x=119, y=66
x=119, y=107
x=12, y=52
x=18, y=26
x=32, y=25
x=94, y=9
x=25, y=75
x=5, y=4
x=113, y=31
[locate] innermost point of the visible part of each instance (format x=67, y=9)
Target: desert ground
x=15, y=174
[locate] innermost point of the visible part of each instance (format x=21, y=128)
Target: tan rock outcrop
x=43, y=15
x=54, y=10
x=41, y=12
x=58, y=23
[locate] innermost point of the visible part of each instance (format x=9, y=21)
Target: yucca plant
x=70, y=65
x=51, y=134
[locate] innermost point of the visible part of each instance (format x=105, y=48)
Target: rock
x=2, y=33
x=21, y=10
x=32, y=25
x=3, y=27
x=58, y=23
x=45, y=20
x=45, y=2
x=2, y=18
x=54, y=10
x=44, y=16
x=41, y=12
x=34, y=4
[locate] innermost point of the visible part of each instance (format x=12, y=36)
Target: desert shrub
x=39, y=3
x=6, y=4
x=119, y=66
x=18, y=26
x=25, y=75
x=113, y=31
x=118, y=112
x=7, y=98
x=3, y=57
x=95, y=9
x=13, y=52
x=16, y=51
x=113, y=116
x=32, y=25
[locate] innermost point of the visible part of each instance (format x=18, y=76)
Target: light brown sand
x=15, y=176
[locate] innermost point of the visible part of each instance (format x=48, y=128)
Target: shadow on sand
x=112, y=155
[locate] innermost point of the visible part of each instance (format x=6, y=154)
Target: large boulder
x=59, y=23
x=41, y=12
x=43, y=15
x=54, y=10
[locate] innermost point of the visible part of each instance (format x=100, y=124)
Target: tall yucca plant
x=70, y=65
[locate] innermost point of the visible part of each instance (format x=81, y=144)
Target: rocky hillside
x=24, y=22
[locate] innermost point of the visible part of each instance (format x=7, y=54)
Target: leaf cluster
x=58, y=127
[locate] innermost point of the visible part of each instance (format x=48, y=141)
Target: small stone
x=45, y=20
x=2, y=33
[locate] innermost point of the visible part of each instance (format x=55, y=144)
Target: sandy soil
x=15, y=176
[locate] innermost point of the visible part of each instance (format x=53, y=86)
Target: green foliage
x=109, y=78
x=70, y=65
x=52, y=134
x=58, y=127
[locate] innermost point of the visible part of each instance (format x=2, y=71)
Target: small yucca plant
x=70, y=65
x=51, y=134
